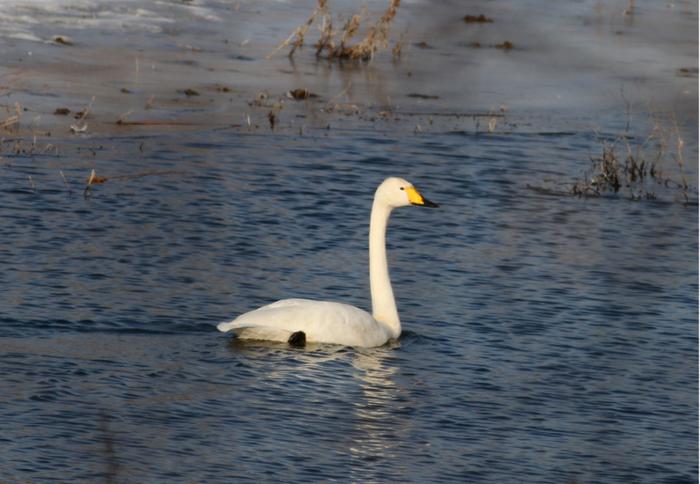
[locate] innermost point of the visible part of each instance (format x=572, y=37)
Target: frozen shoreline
x=159, y=66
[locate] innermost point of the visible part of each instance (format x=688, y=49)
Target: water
x=547, y=338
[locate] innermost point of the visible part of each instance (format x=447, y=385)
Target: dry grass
x=81, y=126
x=93, y=179
x=639, y=167
x=337, y=44
x=12, y=121
x=296, y=38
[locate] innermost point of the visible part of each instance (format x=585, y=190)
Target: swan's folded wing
x=280, y=315
x=321, y=321
x=285, y=303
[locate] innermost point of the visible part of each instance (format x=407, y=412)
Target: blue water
x=546, y=338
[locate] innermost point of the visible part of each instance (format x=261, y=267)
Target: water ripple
x=549, y=338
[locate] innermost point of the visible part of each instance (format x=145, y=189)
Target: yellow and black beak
x=417, y=199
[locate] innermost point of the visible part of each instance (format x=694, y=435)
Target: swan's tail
x=252, y=331
x=226, y=326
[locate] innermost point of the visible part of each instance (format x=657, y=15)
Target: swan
x=298, y=321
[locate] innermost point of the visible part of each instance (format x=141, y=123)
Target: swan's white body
x=337, y=323
x=321, y=321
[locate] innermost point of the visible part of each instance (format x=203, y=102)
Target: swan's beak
x=417, y=199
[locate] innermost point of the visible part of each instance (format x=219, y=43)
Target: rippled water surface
x=545, y=338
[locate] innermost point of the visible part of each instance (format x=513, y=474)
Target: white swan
x=302, y=320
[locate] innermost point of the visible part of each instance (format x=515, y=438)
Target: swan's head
x=397, y=192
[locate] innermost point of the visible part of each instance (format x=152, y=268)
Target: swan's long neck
x=383, y=304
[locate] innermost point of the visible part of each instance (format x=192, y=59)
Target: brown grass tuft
x=636, y=167
x=336, y=44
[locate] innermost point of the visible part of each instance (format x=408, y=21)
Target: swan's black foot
x=297, y=339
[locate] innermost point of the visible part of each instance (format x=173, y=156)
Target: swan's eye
x=401, y=188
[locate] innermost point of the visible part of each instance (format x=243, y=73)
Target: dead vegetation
x=93, y=179
x=477, y=19
x=81, y=126
x=63, y=40
x=12, y=120
x=23, y=147
x=505, y=45
x=687, y=72
x=260, y=99
x=301, y=94
x=338, y=43
x=639, y=167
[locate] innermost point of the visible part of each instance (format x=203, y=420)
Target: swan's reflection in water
x=354, y=401
x=379, y=427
